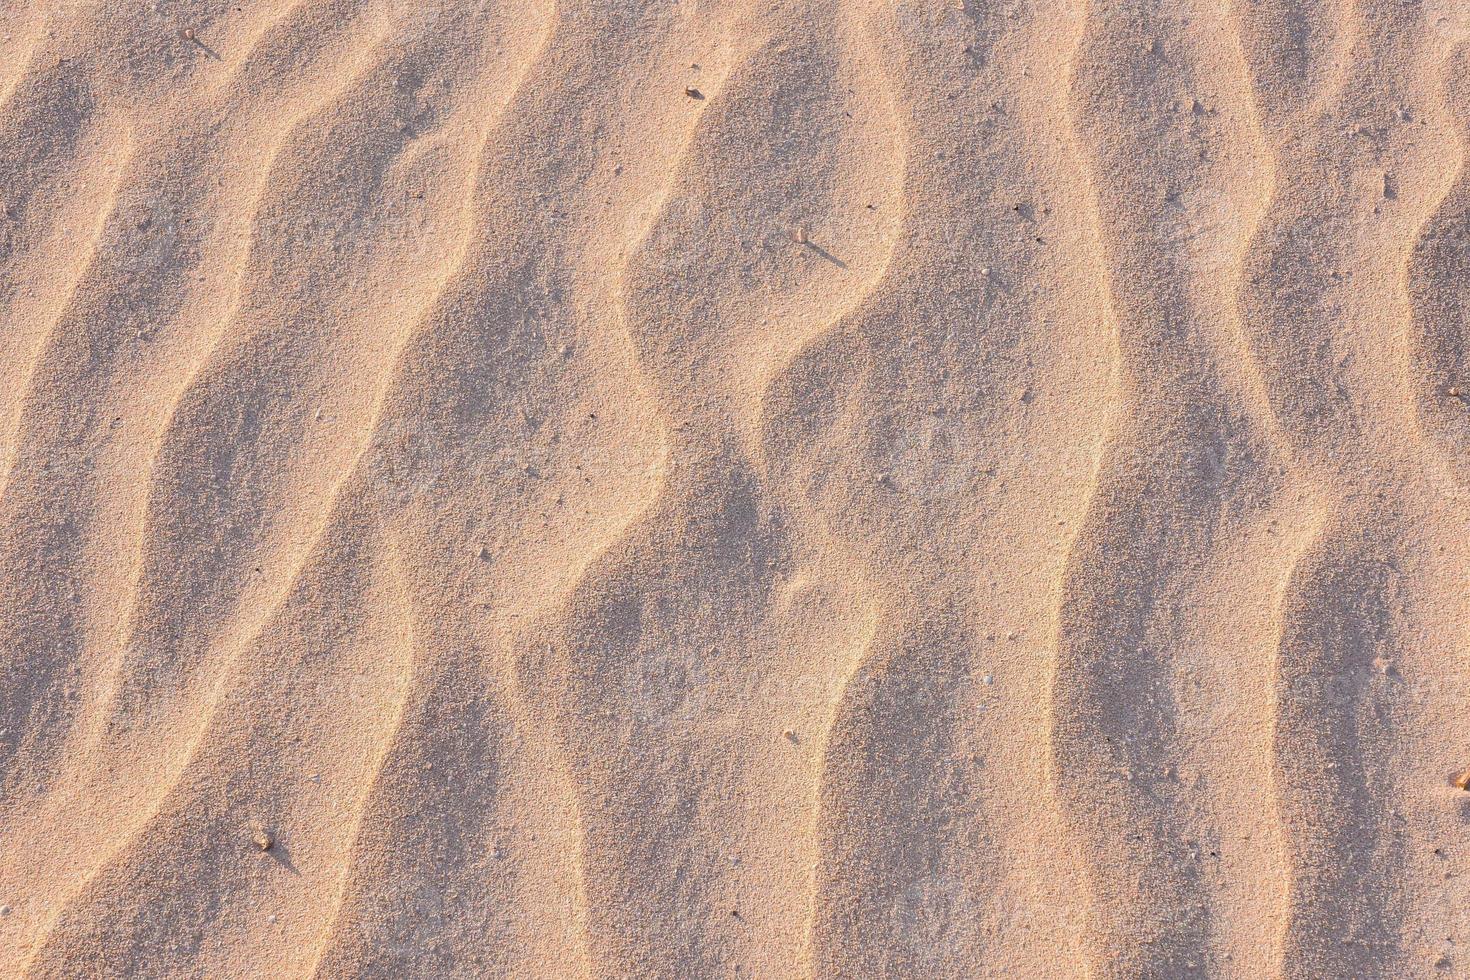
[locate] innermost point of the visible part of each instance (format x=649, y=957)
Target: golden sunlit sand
x=663, y=488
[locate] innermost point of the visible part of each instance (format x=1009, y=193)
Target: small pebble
x=988, y=680
x=789, y=735
x=799, y=234
x=1462, y=781
x=263, y=839
x=4, y=909
x=694, y=93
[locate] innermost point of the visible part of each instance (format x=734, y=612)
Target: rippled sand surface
x=767, y=488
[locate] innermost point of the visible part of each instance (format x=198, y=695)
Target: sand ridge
x=776, y=488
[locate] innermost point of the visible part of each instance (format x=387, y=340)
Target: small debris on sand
x=790, y=736
x=263, y=839
x=1462, y=780
x=694, y=93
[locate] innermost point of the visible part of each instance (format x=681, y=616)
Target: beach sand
x=767, y=489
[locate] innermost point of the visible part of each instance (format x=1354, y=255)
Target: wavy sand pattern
x=797, y=488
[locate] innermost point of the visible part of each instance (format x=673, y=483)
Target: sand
x=771, y=489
